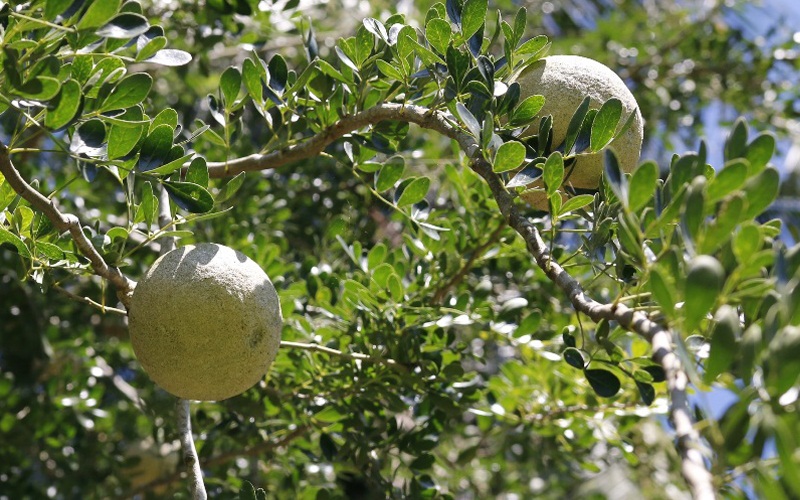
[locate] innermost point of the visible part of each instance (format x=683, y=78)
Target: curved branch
x=190, y=460
x=689, y=444
x=66, y=222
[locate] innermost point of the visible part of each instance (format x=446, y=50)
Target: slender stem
x=689, y=443
x=190, y=460
x=66, y=222
x=87, y=300
x=347, y=355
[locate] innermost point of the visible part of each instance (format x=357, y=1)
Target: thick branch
x=688, y=439
x=65, y=222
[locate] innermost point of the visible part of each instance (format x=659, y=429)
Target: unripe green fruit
x=565, y=81
x=205, y=322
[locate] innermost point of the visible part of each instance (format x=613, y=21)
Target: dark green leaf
x=130, y=91
x=414, y=192
x=509, y=156
x=125, y=25
x=253, y=75
x=149, y=205
x=736, y=143
x=247, y=491
x=616, y=179
x=646, y=392
x=88, y=139
x=693, y=216
x=604, y=383
x=525, y=176
x=605, y=124
x=190, y=197
x=41, y=88
x=662, y=290
x=122, y=140
x=453, y=8
x=155, y=148
x=574, y=358
x=575, y=124
x=327, y=445
x=422, y=462
x=724, y=348
x=65, y=106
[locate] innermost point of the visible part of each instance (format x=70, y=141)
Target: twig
x=347, y=355
x=454, y=280
x=259, y=449
x=689, y=444
x=190, y=460
x=87, y=300
x=66, y=222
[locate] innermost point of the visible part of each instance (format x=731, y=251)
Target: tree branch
x=66, y=222
x=689, y=443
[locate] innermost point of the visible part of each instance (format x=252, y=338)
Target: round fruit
x=565, y=81
x=205, y=322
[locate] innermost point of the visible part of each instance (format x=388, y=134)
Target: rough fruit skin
x=564, y=81
x=205, y=322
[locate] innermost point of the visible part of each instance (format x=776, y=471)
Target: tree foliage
x=441, y=338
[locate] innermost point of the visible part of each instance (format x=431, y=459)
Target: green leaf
x=414, y=192
x=167, y=116
x=526, y=111
x=229, y=189
x=553, y=172
x=49, y=250
x=390, y=173
x=662, y=291
x=149, y=205
x=577, y=202
x=646, y=392
x=727, y=180
x=759, y=152
x=704, y=281
x=198, y=172
x=7, y=193
x=509, y=156
x=746, y=242
x=230, y=83
x=532, y=46
x=574, y=358
x=604, y=383
x=155, y=148
x=438, y=33
x=53, y=8
x=736, y=142
x=643, y=185
x=121, y=138
x=575, y=125
x=473, y=15
x=395, y=286
x=65, y=106
x=40, y=88
x=388, y=70
x=247, y=491
x=130, y=91
x=150, y=48
x=7, y=237
x=170, y=57
x=605, y=124
x=125, y=26
x=253, y=75
x=693, y=216
x=761, y=191
x=472, y=123
x=613, y=174
x=190, y=197
x=724, y=348
x=98, y=14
